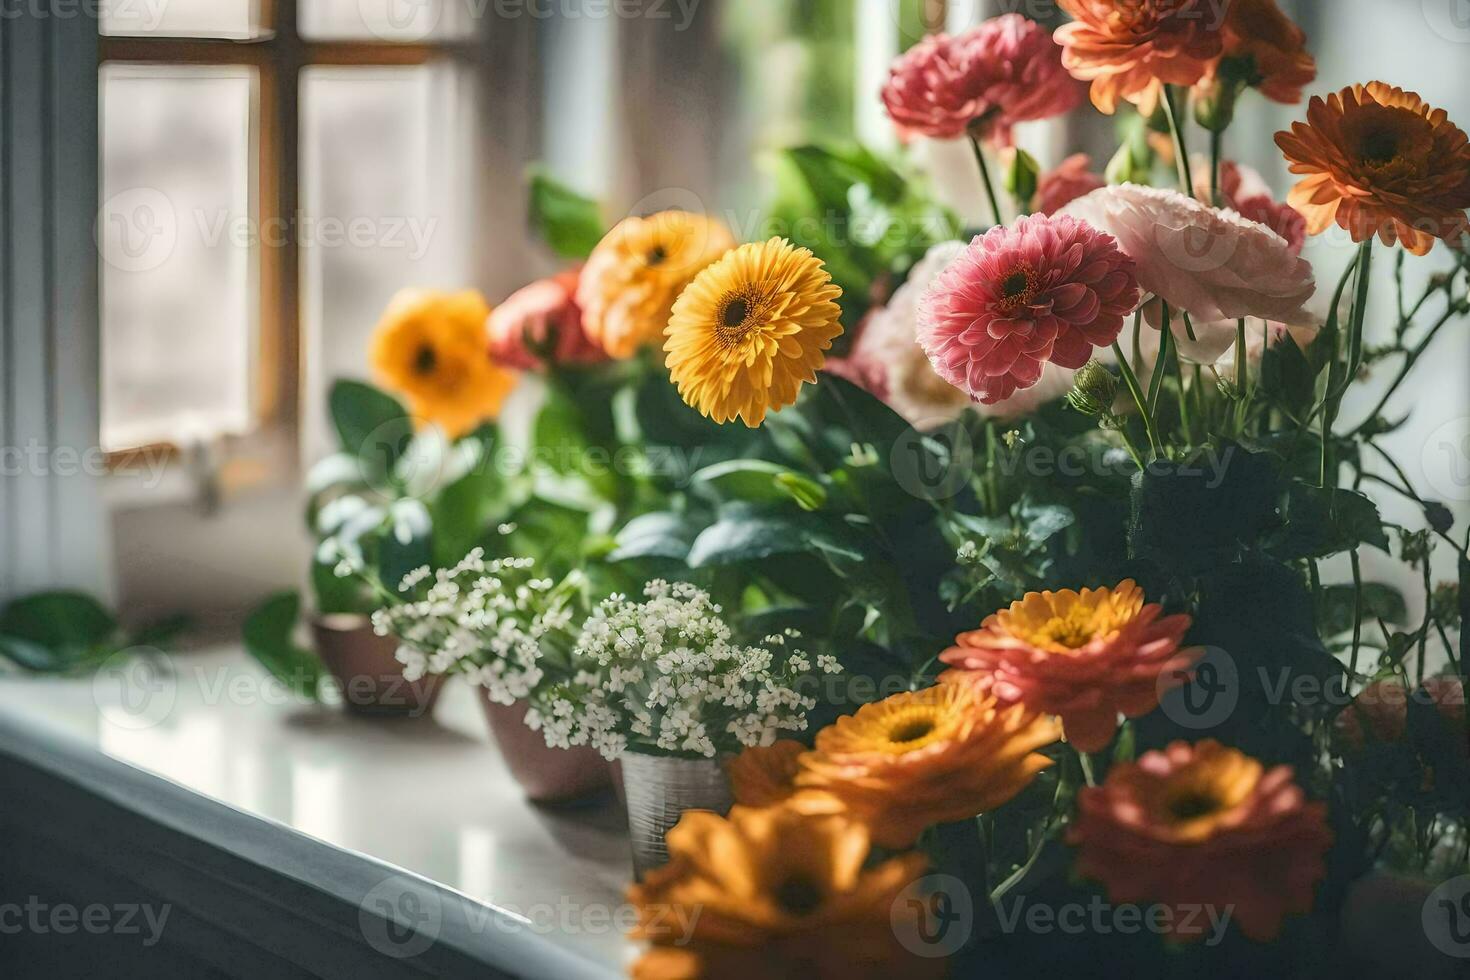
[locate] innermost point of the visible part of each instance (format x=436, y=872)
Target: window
x=271, y=173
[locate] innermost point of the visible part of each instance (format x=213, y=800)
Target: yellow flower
x=774, y=893
x=635, y=273
x=928, y=757
x=766, y=776
x=431, y=348
x=750, y=329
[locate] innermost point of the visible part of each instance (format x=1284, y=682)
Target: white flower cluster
x=488, y=620
x=664, y=675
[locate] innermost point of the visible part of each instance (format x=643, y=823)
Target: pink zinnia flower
x=1005, y=71
x=1069, y=181
x=1044, y=289
x=542, y=320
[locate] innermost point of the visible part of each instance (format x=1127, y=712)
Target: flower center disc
x=657, y=255
x=425, y=360
x=735, y=321
x=1192, y=805
x=1017, y=289
x=798, y=895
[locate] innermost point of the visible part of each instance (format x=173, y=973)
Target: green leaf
x=371, y=425
x=267, y=635
x=1323, y=522
x=567, y=221
x=408, y=544
x=35, y=657
x=752, y=480
x=659, y=535
x=808, y=493
x=59, y=621
x=1191, y=515
x=745, y=533
x=1380, y=601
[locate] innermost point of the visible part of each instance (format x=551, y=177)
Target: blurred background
x=272, y=171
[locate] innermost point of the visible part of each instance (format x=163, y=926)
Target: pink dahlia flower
x=542, y=321
x=888, y=361
x=1245, y=191
x=1005, y=71
x=1071, y=180
x=1043, y=289
x=1214, y=265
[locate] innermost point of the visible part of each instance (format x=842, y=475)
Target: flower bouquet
x=1082, y=510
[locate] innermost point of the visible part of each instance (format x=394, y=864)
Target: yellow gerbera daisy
x=750, y=329
x=431, y=348
x=928, y=757
x=633, y=276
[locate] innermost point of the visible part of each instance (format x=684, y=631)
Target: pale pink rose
x=1043, y=289
x=1069, y=181
x=1005, y=71
x=1244, y=190
x=1214, y=265
x=888, y=361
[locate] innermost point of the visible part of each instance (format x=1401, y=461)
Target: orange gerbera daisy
x=1087, y=656
x=430, y=348
x=1130, y=50
x=1380, y=161
x=774, y=893
x=635, y=273
x=1266, y=50
x=1204, y=825
x=928, y=757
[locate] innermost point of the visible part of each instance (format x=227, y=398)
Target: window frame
x=278, y=53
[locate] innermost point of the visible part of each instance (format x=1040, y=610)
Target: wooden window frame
x=278, y=54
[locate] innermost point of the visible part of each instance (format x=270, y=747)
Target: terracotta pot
x=546, y=775
x=370, y=679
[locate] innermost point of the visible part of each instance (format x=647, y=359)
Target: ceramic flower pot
x=547, y=775
x=658, y=790
x=370, y=679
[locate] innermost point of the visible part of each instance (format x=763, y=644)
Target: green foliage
x=268, y=636
x=68, y=632
x=568, y=222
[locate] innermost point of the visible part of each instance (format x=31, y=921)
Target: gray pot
x=659, y=789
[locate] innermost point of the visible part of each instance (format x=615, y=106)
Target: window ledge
x=418, y=816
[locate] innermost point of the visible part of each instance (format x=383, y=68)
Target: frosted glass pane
x=387, y=199
x=182, y=18
x=179, y=293
x=387, y=20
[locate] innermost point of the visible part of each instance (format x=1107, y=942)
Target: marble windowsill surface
x=427, y=796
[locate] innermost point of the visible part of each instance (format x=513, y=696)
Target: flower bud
x=1126, y=166
x=1022, y=177
x=1214, y=103
x=1093, y=390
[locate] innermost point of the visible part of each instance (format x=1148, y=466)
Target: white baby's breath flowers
x=665, y=676
x=491, y=620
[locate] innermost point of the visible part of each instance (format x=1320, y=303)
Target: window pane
x=387, y=202
x=387, y=20
x=179, y=294
x=182, y=18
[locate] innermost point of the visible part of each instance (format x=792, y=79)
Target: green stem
x=1357, y=615
x=1337, y=386
x=1410, y=360
x=1181, y=149
x=1217, y=144
x=1131, y=380
x=985, y=179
